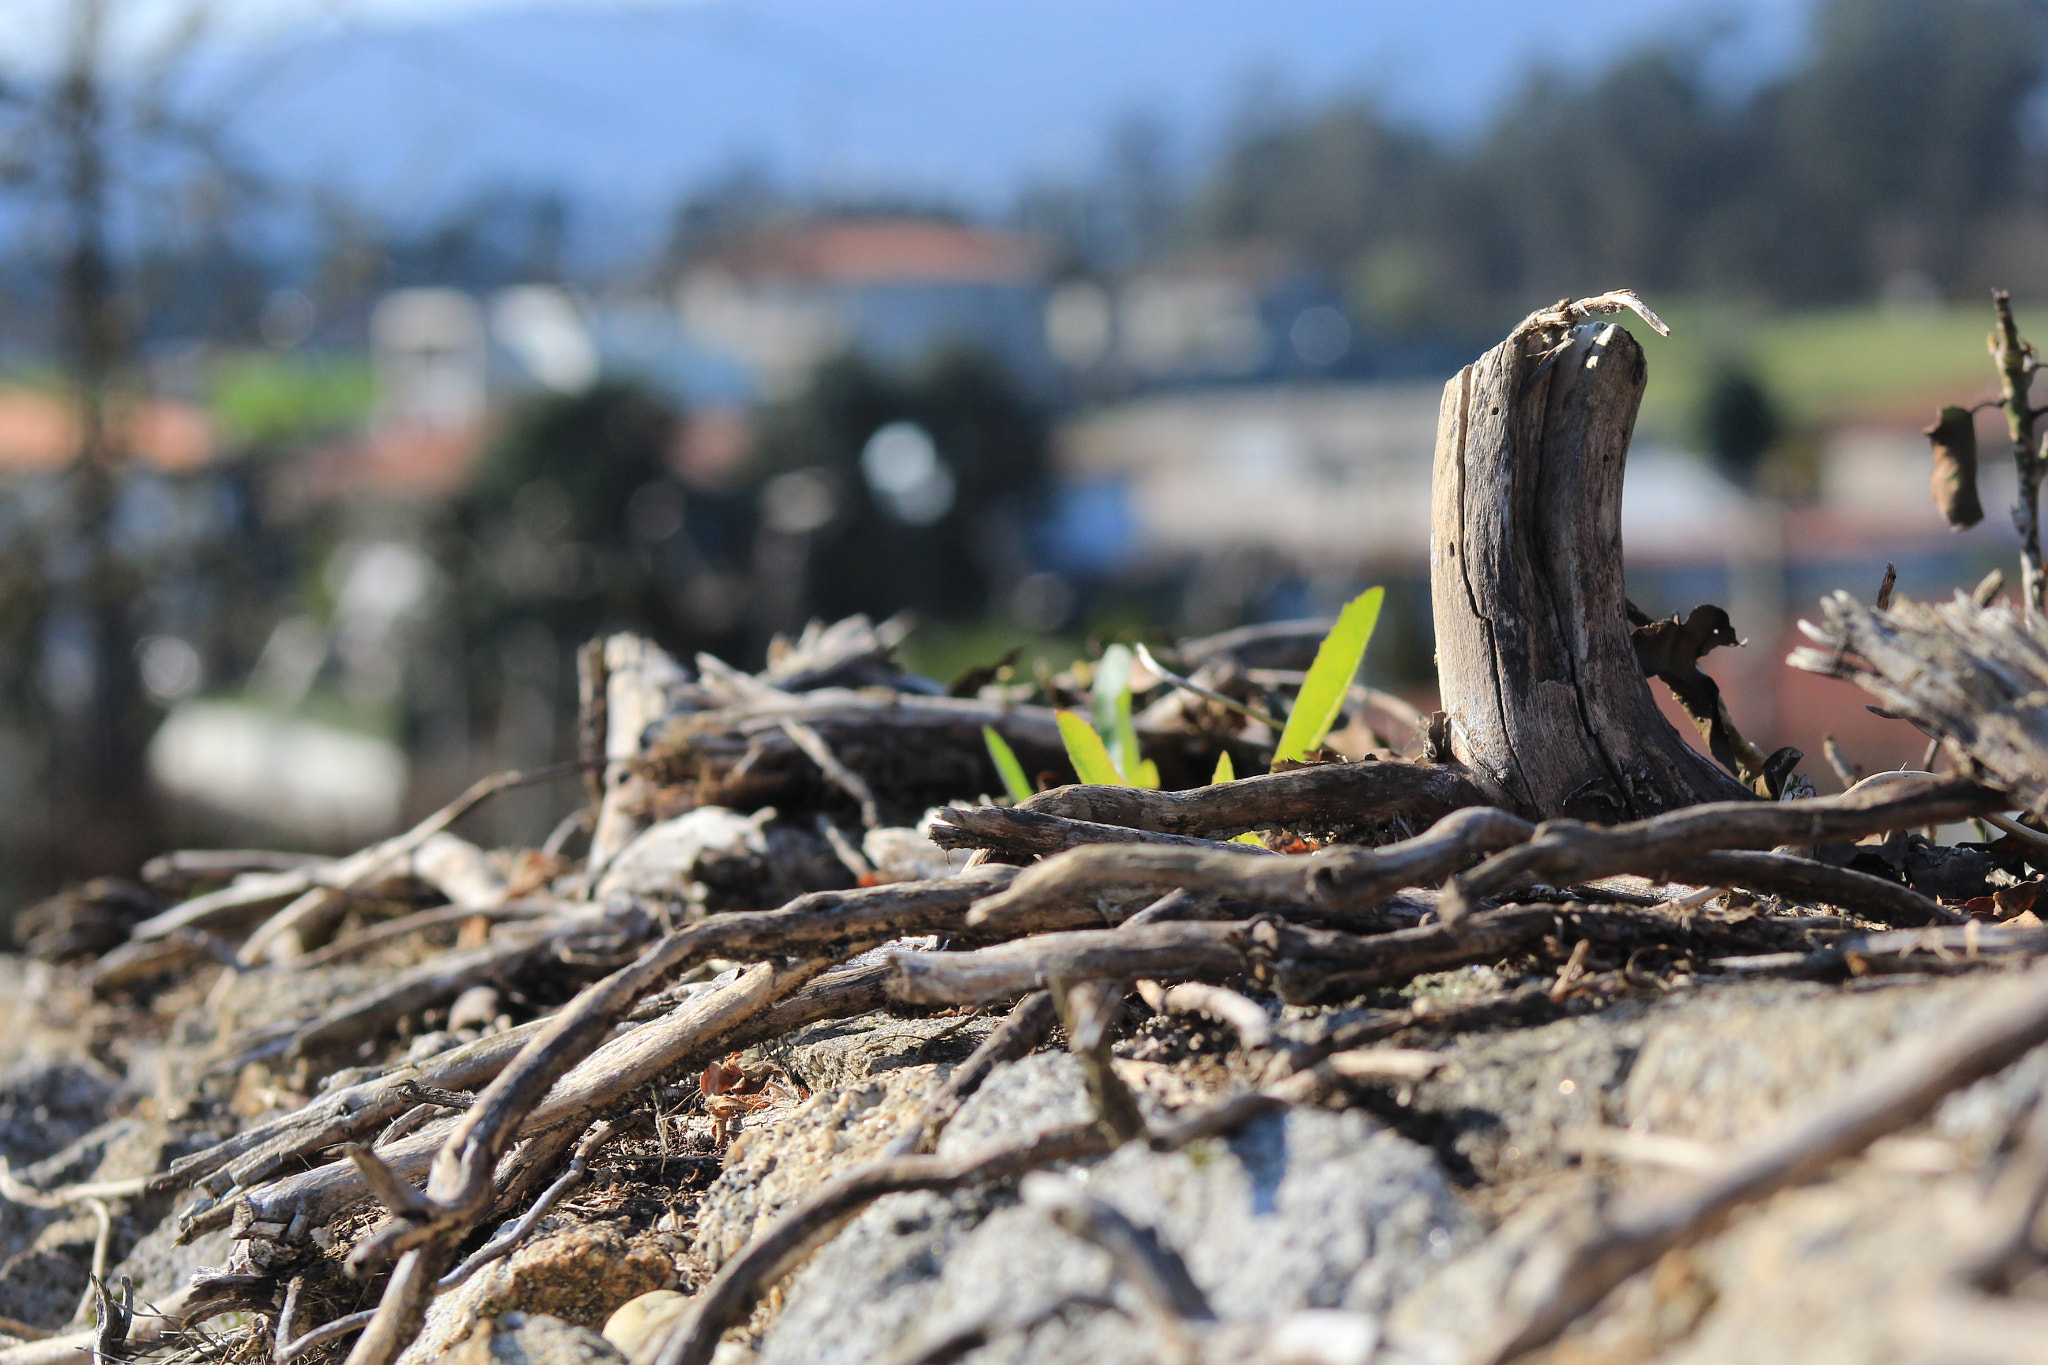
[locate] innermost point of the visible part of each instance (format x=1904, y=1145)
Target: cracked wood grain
x=1548, y=705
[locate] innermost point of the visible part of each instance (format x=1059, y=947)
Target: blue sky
x=409, y=102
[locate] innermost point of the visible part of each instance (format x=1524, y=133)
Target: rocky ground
x=174, y=1109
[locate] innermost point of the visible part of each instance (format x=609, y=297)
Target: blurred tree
x=931, y=475
x=570, y=527
x=740, y=199
x=1328, y=186
x=1903, y=130
x=1606, y=181
x=108, y=160
x=549, y=516
x=1739, y=423
x=1872, y=164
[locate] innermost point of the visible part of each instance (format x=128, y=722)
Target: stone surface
x=53, y=1129
x=570, y=1269
x=534, y=1339
x=638, y=1321
x=843, y=1052
x=1711, y=1063
x=1338, y=1210
x=784, y=1152
x=905, y=854
x=868, y=1078
x=1309, y=1209
x=1835, y=1272
x=45, y=1106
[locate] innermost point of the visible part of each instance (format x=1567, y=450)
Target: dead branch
x=1946, y=948
x=1332, y=793
x=1900, y=1088
x=262, y=890
x=1974, y=677
x=1341, y=881
x=1089, y=1010
x=13, y=1188
x=437, y=979
x=1804, y=879
x=690, y=1033
x=1547, y=704
x=1522, y=1005
x=1566, y=851
x=177, y=872
x=1308, y=964
x=774, y=1253
x=418, y=922
x=290, y=1350
x=1253, y=1025
x=245, y=1161
x=907, y=749
x=846, y=779
x=2011, y=1212
x=628, y=686
x=1008, y=970
x=1298, y=1087
x=341, y=1115
x=1305, y=964
x=1019, y=833
x=506, y=1242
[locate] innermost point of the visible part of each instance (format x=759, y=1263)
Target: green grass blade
x=1226, y=771
x=1329, y=677
x=1087, y=752
x=1130, y=758
x=1147, y=775
x=1006, y=763
x=1110, y=708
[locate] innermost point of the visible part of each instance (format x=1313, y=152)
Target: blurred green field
x=259, y=398
x=1821, y=366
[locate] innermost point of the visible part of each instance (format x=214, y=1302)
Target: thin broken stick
x=1326, y=792
x=254, y=891
x=846, y=779
x=1305, y=964
x=1566, y=851
x=508, y=1241
x=1026, y=1025
x=1340, y=881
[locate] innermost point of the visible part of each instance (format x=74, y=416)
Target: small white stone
x=1322, y=1336
x=638, y=1321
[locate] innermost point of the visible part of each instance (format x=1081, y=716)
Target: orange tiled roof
x=882, y=250
x=41, y=431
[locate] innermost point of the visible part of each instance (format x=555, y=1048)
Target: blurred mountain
x=623, y=108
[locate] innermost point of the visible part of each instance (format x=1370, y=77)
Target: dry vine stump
x=1547, y=703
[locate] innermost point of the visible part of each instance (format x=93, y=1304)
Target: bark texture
x=1974, y=677
x=1547, y=702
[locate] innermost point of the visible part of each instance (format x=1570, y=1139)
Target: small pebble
x=636, y=1322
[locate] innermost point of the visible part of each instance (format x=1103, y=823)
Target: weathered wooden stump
x=1547, y=703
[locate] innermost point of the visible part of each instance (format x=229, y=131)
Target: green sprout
x=1007, y=765
x=1089, y=754
x=1329, y=678
x=1106, y=753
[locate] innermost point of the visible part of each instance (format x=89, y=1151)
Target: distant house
x=897, y=289
x=1318, y=475
x=40, y=433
